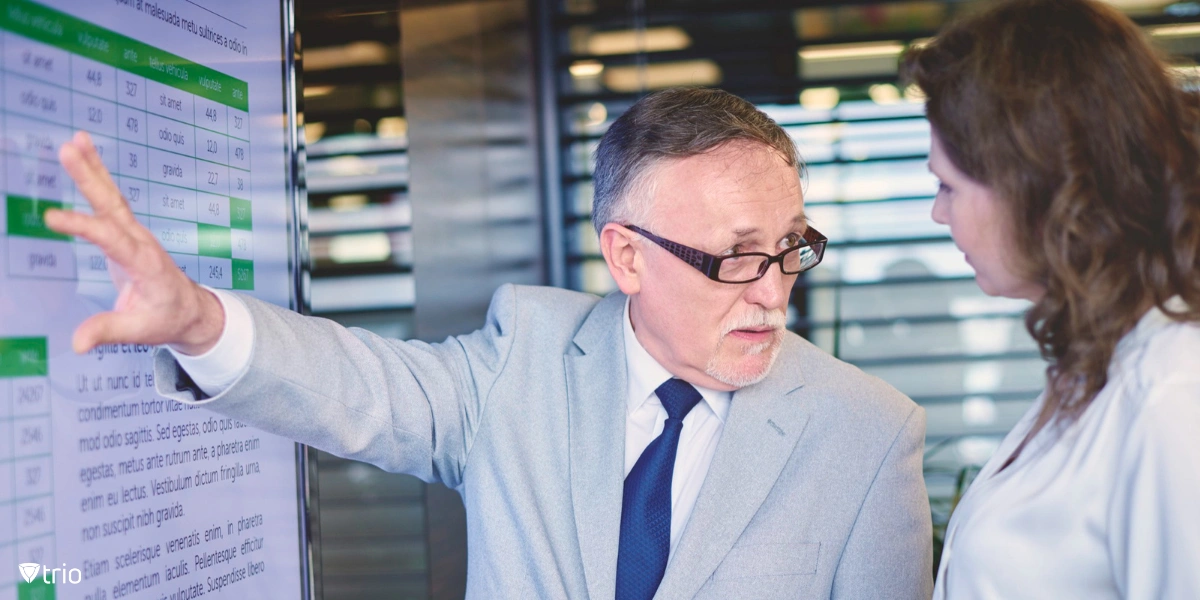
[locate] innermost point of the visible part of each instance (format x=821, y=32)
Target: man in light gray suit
x=672, y=440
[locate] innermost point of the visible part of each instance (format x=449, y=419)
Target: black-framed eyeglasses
x=744, y=267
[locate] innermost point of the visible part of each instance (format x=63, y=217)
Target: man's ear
x=623, y=257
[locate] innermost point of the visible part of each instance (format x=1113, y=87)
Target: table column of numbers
x=225, y=144
x=26, y=492
x=8, y=511
x=94, y=110
x=219, y=207
x=239, y=191
x=132, y=156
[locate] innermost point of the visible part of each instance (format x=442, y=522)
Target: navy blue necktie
x=646, y=507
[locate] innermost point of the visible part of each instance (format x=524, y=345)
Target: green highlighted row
x=23, y=357
x=74, y=35
x=26, y=217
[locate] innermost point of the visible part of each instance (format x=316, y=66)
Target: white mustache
x=770, y=319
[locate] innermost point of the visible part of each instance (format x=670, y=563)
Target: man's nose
x=771, y=291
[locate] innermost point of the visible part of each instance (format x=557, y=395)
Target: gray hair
x=672, y=124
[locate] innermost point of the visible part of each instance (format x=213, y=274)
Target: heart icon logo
x=29, y=571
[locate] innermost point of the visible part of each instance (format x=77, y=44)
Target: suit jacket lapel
x=596, y=382
x=765, y=422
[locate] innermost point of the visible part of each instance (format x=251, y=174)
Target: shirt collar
x=646, y=374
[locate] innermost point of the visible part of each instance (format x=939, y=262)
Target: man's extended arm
x=405, y=406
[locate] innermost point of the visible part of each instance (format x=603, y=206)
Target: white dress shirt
x=1106, y=507
x=217, y=369
x=645, y=419
x=225, y=362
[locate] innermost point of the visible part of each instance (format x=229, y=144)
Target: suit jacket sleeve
x=890, y=550
x=406, y=406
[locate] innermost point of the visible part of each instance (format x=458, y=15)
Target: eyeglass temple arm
x=704, y=262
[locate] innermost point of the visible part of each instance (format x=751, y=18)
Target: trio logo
x=29, y=572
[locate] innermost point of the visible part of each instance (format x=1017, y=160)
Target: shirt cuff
x=216, y=370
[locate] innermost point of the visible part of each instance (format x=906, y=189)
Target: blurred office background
x=449, y=151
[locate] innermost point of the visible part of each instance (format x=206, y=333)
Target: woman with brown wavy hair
x=1069, y=161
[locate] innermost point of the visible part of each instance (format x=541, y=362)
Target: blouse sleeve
x=1154, y=523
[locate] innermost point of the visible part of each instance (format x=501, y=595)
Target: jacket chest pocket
x=765, y=560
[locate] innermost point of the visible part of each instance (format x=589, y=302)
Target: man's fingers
x=107, y=328
x=115, y=242
x=84, y=142
x=93, y=180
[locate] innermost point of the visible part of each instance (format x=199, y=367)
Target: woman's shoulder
x=1159, y=359
x=1170, y=353
x=1163, y=378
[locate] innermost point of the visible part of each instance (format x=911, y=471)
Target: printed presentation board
x=108, y=491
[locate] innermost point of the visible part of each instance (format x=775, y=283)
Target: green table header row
x=77, y=36
x=23, y=357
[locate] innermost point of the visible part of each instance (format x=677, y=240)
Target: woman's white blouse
x=1107, y=507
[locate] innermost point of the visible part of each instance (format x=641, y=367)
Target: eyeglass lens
x=748, y=268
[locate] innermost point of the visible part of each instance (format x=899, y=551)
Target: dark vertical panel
x=442, y=49
x=447, y=541
x=474, y=187
x=515, y=229
x=472, y=139
x=372, y=532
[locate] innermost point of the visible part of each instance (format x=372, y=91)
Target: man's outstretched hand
x=156, y=303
